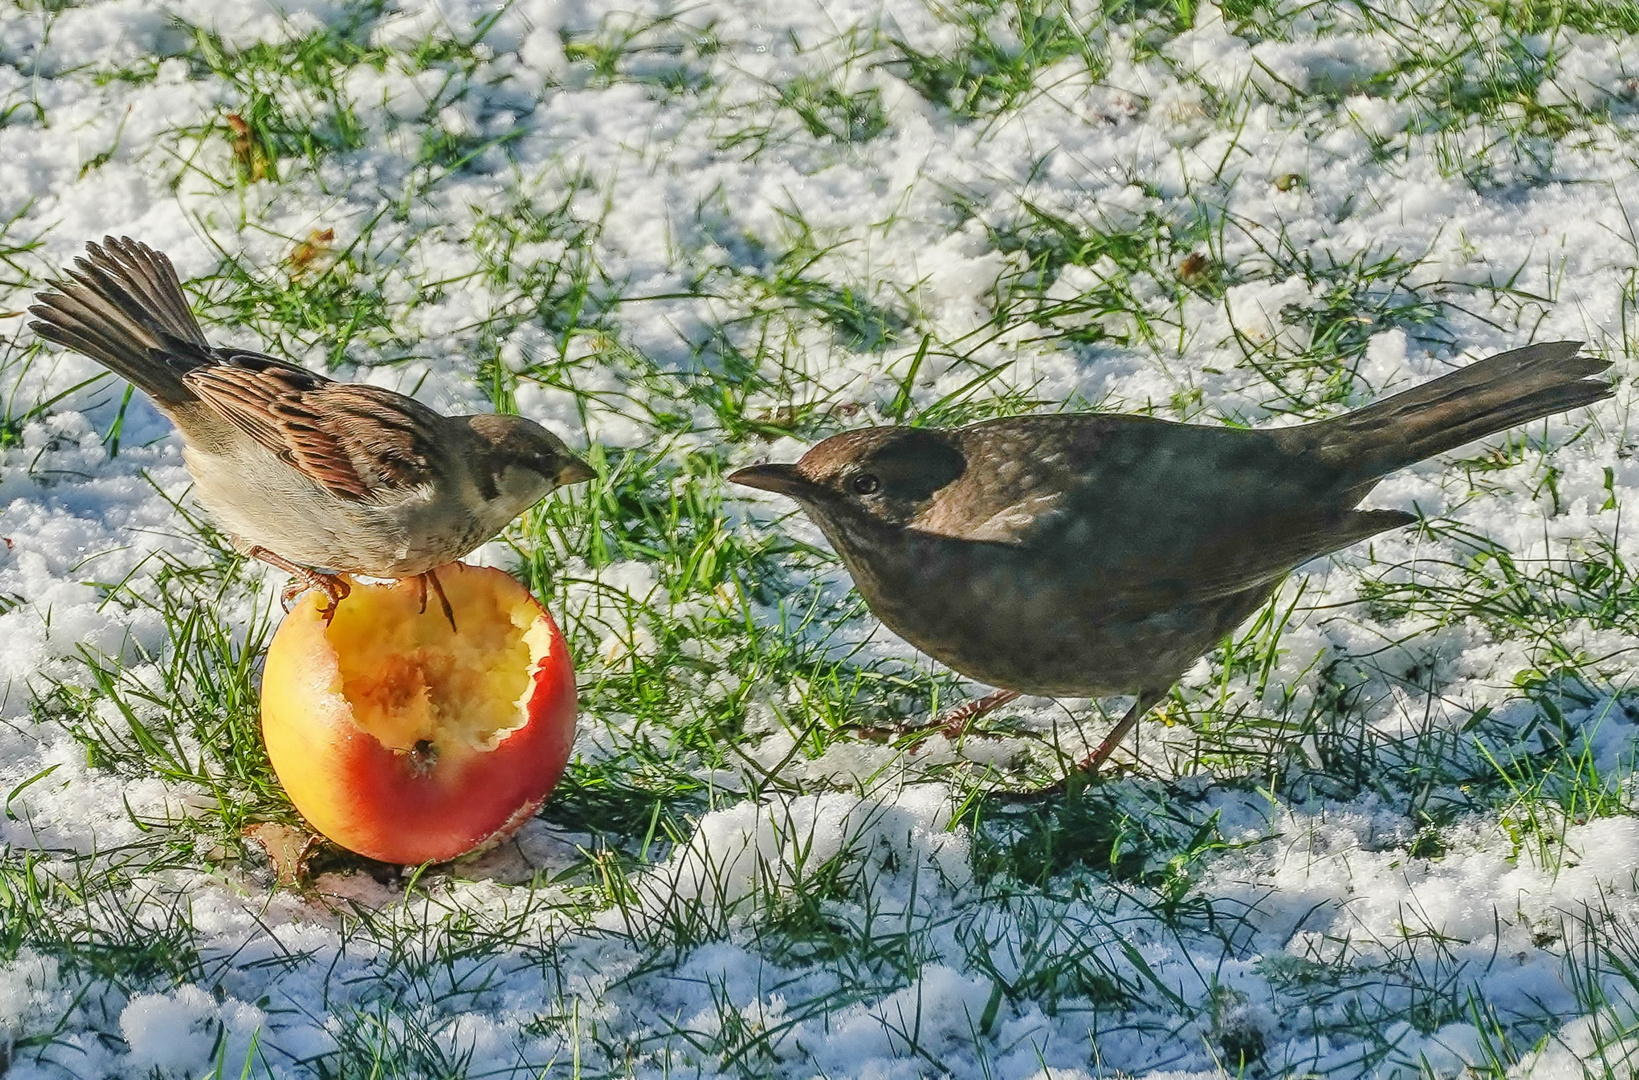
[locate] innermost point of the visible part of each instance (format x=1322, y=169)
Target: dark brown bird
x=1087, y=555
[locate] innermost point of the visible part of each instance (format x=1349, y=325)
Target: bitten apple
x=408, y=741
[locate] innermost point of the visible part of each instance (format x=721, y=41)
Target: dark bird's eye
x=866, y=484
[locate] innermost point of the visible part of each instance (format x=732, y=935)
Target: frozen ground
x=1387, y=831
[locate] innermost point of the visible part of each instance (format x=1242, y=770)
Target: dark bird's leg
x=954, y=722
x=333, y=586
x=1147, y=700
x=438, y=587
x=1087, y=768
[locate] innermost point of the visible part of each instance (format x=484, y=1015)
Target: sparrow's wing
x=1145, y=503
x=357, y=441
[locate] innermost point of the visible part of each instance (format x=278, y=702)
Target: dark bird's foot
x=438, y=587
x=951, y=723
x=1147, y=700
x=954, y=722
x=1087, y=769
x=334, y=586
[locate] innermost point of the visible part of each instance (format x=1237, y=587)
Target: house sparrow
x=1095, y=554
x=313, y=476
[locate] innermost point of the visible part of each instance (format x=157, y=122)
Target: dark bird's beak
x=783, y=479
x=574, y=471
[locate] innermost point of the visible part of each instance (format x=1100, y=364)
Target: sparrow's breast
x=261, y=501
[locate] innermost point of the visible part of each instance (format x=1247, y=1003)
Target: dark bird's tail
x=1481, y=399
x=123, y=306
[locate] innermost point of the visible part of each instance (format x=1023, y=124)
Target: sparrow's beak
x=784, y=479
x=574, y=471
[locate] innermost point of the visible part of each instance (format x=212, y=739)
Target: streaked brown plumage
x=1098, y=554
x=304, y=472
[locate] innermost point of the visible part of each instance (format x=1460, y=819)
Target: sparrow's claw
x=443, y=601
x=334, y=586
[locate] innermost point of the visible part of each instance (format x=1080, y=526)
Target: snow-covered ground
x=1389, y=830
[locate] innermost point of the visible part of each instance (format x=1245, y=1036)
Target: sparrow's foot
x=334, y=586
x=438, y=587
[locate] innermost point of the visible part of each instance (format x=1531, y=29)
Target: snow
x=177, y=1034
x=1265, y=150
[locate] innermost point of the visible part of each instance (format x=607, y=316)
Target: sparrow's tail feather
x=1481, y=399
x=123, y=306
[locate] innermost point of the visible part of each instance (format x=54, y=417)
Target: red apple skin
x=402, y=807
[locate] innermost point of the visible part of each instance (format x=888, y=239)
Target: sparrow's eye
x=865, y=484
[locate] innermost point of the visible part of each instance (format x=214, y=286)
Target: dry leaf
x=309, y=251
x=248, y=152
x=287, y=849
x=1194, y=269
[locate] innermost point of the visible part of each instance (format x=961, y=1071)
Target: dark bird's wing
x=1149, y=505
x=357, y=441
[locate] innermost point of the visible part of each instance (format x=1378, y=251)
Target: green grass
x=496, y=256
x=1001, y=51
